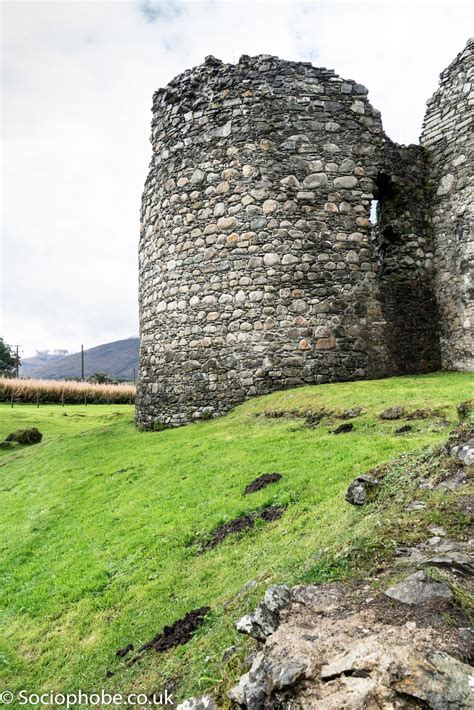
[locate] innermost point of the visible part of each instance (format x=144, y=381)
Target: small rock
x=345, y=182
x=197, y=177
x=358, y=490
x=25, y=437
x=465, y=452
x=392, y=413
x=437, y=530
x=456, y=560
x=205, y=702
x=418, y=588
x=287, y=673
x=266, y=617
x=237, y=692
x=228, y=652
x=453, y=482
x=258, y=686
x=416, y=505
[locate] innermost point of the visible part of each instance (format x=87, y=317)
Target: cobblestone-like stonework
x=259, y=266
x=448, y=137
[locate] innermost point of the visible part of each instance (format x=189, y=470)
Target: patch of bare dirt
x=343, y=428
x=179, y=632
x=176, y=634
x=243, y=522
x=262, y=482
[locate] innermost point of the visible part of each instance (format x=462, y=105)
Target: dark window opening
x=390, y=236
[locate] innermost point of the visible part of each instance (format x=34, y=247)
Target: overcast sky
x=77, y=83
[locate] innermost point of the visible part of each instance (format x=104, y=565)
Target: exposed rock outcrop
x=335, y=649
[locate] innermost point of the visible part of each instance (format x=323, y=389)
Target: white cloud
x=78, y=78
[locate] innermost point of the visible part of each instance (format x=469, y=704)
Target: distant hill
x=29, y=365
x=116, y=359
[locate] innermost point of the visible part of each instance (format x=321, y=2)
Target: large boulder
x=25, y=437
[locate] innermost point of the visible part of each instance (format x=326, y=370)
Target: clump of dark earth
x=244, y=522
x=179, y=632
x=404, y=429
x=343, y=428
x=7, y=444
x=392, y=413
x=425, y=414
x=25, y=437
x=261, y=482
x=311, y=418
x=273, y=512
x=123, y=651
x=233, y=526
x=281, y=413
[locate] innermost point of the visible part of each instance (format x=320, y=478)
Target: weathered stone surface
x=465, y=452
x=315, y=180
x=229, y=212
x=359, y=489
x=418, y=588
x=446, y=135
x=265, y=619
x=346, y=182
x=330, y=653
x=205, y=702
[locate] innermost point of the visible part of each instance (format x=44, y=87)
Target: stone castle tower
x=260, y=267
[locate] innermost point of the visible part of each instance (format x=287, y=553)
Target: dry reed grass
x=65, y=391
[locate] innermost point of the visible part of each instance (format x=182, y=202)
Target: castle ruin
x=260, y=267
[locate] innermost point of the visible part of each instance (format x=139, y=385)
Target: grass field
x=100, y=526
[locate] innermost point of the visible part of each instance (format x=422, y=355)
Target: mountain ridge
x=118, y=359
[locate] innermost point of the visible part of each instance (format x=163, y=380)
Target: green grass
x=100, y=526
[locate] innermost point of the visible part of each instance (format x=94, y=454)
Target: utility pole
x=82, y=363
x=16, y=348
x=134, y=377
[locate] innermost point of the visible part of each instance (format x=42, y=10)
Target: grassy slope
x=99, y=524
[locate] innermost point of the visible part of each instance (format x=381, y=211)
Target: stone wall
x=448, y=138
x=259, y=266
x=405, y=249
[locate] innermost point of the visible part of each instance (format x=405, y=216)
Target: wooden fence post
x=37, y=399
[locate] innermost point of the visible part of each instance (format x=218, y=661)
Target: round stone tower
x=258, y=269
